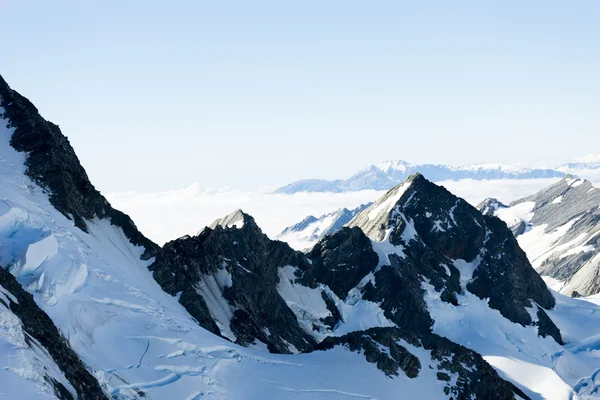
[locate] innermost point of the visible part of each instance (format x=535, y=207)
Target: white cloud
x=165, y=216
x=590, y=158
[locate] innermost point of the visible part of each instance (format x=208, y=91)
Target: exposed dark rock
x=505, y=276
x=475, y=378
x=341, y=260
x=39, y=326
x=252, y=260
x=546, y=327
x=335, y=316
x=195, y=304
x=447, y=228
x=52, y=164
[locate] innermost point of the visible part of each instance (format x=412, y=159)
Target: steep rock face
x=53, y=164
x=39, y=330
x=304, y=234
x=342, y=261
x=227, y=277
x=388, y=174
x=433, y=233
x=559, y=228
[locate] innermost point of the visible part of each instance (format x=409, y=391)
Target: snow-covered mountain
x=421, y=296
x=388, y=174
x=304, y=234
x=559, y=228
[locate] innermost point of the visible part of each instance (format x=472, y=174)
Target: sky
x=157, y=95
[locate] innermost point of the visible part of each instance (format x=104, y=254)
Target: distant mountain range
x=388, y=174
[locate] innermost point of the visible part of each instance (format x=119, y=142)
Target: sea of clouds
x=164, y=216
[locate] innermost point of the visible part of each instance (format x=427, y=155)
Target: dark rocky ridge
x=52, y=164
x=339, y=261
x=344, y=260
x=252, y=260
x=475, y=377
x=448, y=228
x=37, y=325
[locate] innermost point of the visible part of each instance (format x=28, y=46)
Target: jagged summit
x=236, y=219
x=418, y=215
x=376, y=219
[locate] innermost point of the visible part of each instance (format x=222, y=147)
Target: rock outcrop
x=230, y=272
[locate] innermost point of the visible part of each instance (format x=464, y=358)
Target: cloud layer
x=164, y=216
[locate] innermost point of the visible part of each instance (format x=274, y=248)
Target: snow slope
x=539, y=366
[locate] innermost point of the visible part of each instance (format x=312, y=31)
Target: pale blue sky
x=160, y=94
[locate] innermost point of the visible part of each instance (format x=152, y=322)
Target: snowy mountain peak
x=375, y=220
x=236, y=220
x=421, y=215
